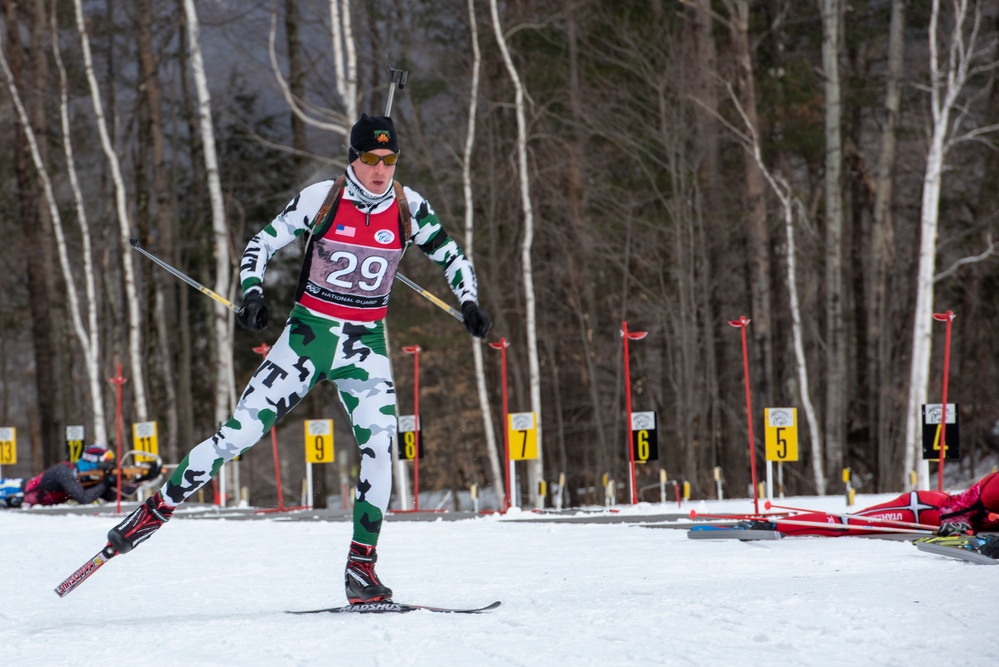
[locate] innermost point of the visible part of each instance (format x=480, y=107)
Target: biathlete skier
x=357, y=227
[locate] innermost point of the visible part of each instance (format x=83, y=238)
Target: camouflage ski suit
x=335, y=332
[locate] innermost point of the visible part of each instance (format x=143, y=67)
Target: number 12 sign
x=523, y=429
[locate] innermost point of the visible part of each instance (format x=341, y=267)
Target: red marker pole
x=947, y=317
x=118, y=380
x=742, y=323
x=415, y=351
x=262, y=350
x=501, y=346
x=625, y=337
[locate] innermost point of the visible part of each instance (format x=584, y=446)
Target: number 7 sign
x=523, y=433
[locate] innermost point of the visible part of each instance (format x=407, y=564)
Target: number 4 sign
x=523, y=436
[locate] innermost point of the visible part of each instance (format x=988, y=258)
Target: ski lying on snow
x=87, y=569
x=731, y=533
x=389, y=607
x=959, y=553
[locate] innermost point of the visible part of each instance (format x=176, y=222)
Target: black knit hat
x=371, y=133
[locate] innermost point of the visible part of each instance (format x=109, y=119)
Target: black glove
x=954, y=528
x=253, y=314
x=476, y=320
x=128, y=489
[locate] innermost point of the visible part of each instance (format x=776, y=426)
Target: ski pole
x=187, y=279
x=397, y=81
x=894, y=522
x=694, y=514
x=433, y=299
x=844, y=526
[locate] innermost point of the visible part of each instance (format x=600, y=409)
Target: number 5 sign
x=319, y=441
x=523, y=440
x=781, y=433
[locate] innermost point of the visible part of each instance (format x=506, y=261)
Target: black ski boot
x=140, y=524
x=360, y=580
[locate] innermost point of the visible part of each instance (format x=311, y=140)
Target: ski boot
x=140, y=524
x=362, y=584
x=755, y=524
x=954, y=528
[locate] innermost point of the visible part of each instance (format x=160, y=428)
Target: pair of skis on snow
x=384, y=607
x=960, y=547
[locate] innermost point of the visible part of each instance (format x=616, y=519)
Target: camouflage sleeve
x=295, y=220
x=429, y=235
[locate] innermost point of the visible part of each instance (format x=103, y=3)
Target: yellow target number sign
x=410, y=437
x=145, y=438
x=74, y=442
x=8, y=445
x=523, y=436
x=781, y=433
x=319, y=441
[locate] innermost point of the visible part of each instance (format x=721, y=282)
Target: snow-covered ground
x=214, y=592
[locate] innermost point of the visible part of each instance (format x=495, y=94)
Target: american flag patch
x=344, y=230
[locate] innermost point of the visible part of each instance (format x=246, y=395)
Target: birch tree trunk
x=948, y=77
x=466, y=180
x=90, y=342
x=535, y=468
x=41, y=274
x=224, y=381
x=136, y=372
x=83, y=336
x=344, y=58
x=836, y=391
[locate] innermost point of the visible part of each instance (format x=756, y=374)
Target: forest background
x=825, y=169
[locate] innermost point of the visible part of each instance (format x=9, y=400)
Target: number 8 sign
x=319, y=441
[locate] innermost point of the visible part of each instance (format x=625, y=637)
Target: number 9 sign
x=319, y=441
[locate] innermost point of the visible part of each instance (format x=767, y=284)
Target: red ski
x=87, y=569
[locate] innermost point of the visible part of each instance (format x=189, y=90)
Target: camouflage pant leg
x=282, y=380
x=363, y=376
x=311, y=349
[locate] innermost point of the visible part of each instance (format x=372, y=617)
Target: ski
x=87, y=569
x=731, y=533
x=390, y=607
x=960, y=547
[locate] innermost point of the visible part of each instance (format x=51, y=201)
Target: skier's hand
x=954, y=528
x=476, y=320
x=253, y=314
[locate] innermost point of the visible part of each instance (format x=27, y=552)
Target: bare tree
x=835, y=343
x=225, y=389
x=950, y=74
x=882, y=258
x=536, y=469
x=137, y=371
x=466, y=181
